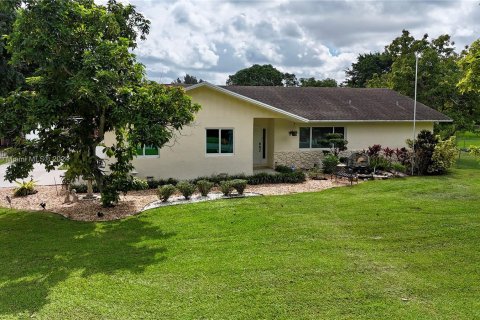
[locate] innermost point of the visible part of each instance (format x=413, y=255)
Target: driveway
x=40, y=175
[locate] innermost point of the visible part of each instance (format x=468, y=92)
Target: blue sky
x=212, y=39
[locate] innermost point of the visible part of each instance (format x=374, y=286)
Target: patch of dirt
x=133, y=202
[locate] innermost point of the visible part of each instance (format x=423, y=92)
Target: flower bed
x=134, y=201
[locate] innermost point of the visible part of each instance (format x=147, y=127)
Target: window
x=148, y=151
x=315, y=137
x=219, y=141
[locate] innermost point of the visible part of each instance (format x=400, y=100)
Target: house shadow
x=38, y=252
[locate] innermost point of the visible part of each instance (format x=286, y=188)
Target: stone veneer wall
x=299, y=159
x=303, y=159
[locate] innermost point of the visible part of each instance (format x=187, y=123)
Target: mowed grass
x=397, y=249
x=467, y=139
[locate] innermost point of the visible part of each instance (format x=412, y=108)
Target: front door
x=259, y=146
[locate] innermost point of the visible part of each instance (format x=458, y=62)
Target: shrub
x=293, y=177
x=110, y=195
x=264, y=178
x=138, y=184
x=133, y=184
x=475, y=151
x=398, y=167
x=239, y=185
x=154, y=184
x=165, y=192
x=216, y=179
x=283, y=169
x=403, y=155
x=343, y=160
x=226, y=187
x=204, y=186
x=444, y=156
x=388, y=153
x=329, y=163
x=25, y=188
x=186, y=189
x=374, y=151
x=380, y=163
x=423, y=150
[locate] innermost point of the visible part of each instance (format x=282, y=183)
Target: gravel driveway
x=40, y=175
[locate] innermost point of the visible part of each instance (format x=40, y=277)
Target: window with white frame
x=219, y=141
x=148, y=151
x=316, y=137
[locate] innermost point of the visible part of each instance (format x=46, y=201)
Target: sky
x=214, y=39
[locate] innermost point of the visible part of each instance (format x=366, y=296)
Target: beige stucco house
x=241, y=128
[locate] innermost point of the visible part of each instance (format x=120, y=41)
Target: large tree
x=86, y=82
x=470, y=67
x=438, y=75
x=11, y=78
x=261, y=75
x=366, y=67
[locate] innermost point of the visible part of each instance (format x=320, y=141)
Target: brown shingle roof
x=340, y=104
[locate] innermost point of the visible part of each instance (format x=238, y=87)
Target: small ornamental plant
x=204, y=186
x=239, y=185
x=186, y=189
x=329, y=163
x=25, y=188
x=165, y=192
x=226, y=188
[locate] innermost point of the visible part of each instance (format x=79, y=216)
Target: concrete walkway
x=40, y=175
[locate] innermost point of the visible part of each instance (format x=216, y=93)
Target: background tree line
x=448, y=81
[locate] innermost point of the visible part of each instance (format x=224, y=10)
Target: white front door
x=259, y=146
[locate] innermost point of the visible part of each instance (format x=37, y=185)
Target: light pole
x=414, y=111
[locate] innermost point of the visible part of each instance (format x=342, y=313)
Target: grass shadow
x=61, y=248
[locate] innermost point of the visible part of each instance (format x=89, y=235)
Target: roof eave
x=291, y=115
x=377, y=120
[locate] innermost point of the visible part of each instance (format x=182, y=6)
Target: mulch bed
x=133, y=203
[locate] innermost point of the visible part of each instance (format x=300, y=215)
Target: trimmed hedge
x=259, y=178
x=283, y=169
x=154, y=184
x=264, y=178
x=239, y=185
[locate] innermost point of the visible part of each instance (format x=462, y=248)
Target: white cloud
x=212, y=39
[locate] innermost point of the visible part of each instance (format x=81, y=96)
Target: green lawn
x=467, y=139
x=398, y=249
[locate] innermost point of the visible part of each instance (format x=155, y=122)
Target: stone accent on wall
x=299, y=159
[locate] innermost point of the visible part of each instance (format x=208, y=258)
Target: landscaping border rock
x=135, y=201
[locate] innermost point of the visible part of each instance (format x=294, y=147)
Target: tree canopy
x=470, y=67
x=187, y=79
x=261, y=75
x=11, y=78
x=366, y=67
x=85, y=82
x=438, y=75
x=312, y=82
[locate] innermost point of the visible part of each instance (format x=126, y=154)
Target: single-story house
x=241, y=128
